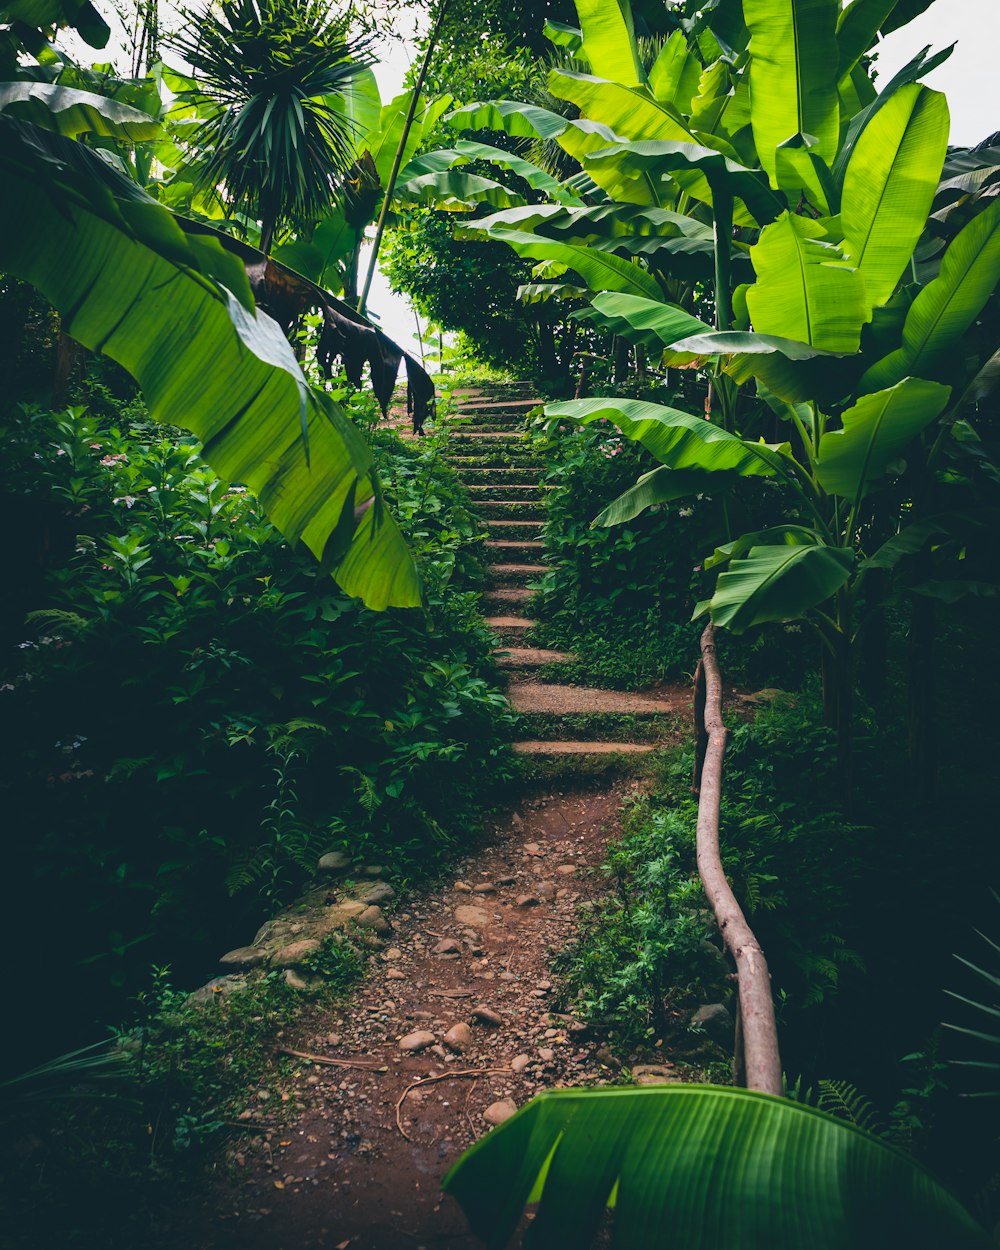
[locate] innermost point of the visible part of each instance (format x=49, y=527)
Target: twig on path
x=369, y=1066
x=442, y=1076
x=451, y=993
x=465, y=1108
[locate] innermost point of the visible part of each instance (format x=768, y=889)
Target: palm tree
x=269, y=74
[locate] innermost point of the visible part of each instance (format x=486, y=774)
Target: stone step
x=509, y=550
x=506, y=492
x=509, y=510
x=492, y=405
x=510, y=626
x=531, y=657
x=460, y=435
x=505, y=595
x=554, y=700
x=517, y=531
x=596, y=749
x=516, y=574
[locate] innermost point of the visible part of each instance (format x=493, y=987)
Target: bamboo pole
x=758, y=1028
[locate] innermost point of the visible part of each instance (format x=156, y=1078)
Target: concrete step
x=516, y=574
x=554, y=700
x=510, y=626
x=531, y=657
x=592, y=749
x=503, y=597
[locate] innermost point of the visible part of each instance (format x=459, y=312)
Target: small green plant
x=339, y=963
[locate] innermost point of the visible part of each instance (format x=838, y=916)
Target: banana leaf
x=778, y=535
x=890, y=184
x=600, y=271
x=520, y=121
x=946, y=307
x=652, y=323
x=43, y=14
x=662, y=485
x=777, y=583
x=857, y=30
x=793, y=75
x=877, y=430
x=175, y=310
x=609, y=40
x=537, y=178
x=700, y=1168
x=805, y=289
x=541, y=292
x=455, y=191
x=675, y=438
x=70, y=112
x=675, y=74
x=561, y=35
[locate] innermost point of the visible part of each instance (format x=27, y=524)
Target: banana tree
x=170, y=303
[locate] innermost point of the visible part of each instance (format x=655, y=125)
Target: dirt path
x=476, y=956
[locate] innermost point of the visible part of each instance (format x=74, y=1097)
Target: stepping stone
x=531, y=657
x=508, y=594
x=504, y=625
x=517, y=572
x=534, y=696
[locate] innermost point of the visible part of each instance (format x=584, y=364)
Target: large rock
x=474, y=917
x=458, y=1037
x=215, y=988
x=377, y=892
x=715, y=1021
x=372, y=918
x=295, y=953
x=338, y=916
x=334, y=861
x=243, y=957
x=417, y=1041
x=497, y=1112
x=654, y=1074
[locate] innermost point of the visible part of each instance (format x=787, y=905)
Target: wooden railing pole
x=758, y=1028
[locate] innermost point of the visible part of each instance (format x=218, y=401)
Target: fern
x=72, y=622
x=846, y=1102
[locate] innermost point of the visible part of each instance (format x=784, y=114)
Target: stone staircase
x=487, y=449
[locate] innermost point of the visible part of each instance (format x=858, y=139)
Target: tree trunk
x=758, y=1027
x=620, y=359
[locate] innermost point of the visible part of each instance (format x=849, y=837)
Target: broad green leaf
x=521, y=121
x=455, y=191
x=384, y=142
x=890, y=185
x=584, y=136
x=877, y=430
x=131, y=283
x=609, y=40
x=805, y=289
x=699, y=1167
x=946, y=307
x=675, y=74
x=630, y=112
x=541, y=292
x=779, y=535
x=802, y=175
x=652, y=323
x=675, y=438
x=857, y=30
x=914, y=537
x=662, y=485
x=70, y=112
x=562, y=35
x=361, y=104
x=685, y=162
x=746, y=343
x=600, y=271
x=793, y=371
x=536, y=178
x=793, y=75
x=777, y=584
x=83, y=17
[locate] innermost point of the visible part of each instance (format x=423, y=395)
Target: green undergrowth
x=191, y=712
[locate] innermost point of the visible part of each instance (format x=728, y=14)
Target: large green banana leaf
x=777, y=583
x=584, y=136
x=805, y=289
x=175, y=310
x=700, y=1167
x=652, y=323
x=778, y=535
x=469, y=150
x=383, y=143
x=662, y=485
x=793, y=371
x=70, y=112
x=520, y=121
x=542, y=292
x=877, y=430
x=675, y=74
x=609, y=40
x=82, y=16
x=562, y=35
x=630, y=112
x=675, y=438
x=682, y=161
x=454, y=190
x=857, y=30
x=600, y=271
x=946, y=307
x=793, y=75
x=890, y=185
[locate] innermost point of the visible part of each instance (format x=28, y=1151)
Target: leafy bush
x=194, y=705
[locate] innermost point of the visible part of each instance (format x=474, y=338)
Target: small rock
x=377, y=892
x=486, y=1016
x=338, y=916
x=506, y=880
x=294, y=981
x=458, y=1037
x=417, y=1041
x=545, y=985
x=334, y=861
x=497, y=1112
x=605, y=1056
x=528, y=900
x=546, y=889
x=546, y=1054
x=566, y=870
x=507, y=976
x=394, y=974
x=462, y=887
x=333, y=1039
x=294, y=953
x=517, y=820
x=372, y=870
x=214, y=988
x=519, y=1063
x=394, y=953
x=653, y=1074
x=448, y=946
x=477, y=917
x=372, y=918
x=484, y=887
x=532, y=848
x=439, y=1050
x=243, y=957
x=715, y=1020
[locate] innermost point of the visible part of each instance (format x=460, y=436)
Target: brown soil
x=345, y=1174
